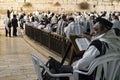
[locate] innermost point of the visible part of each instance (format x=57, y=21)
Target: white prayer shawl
x=83, y=23
x=41, y=26
x=116, y=24
x=6, y=20
x=30, y=18
x=35, y=24
x=54, y=20
x=72, y=29
x=91, y=25
x=48, y=28
x=40, y=17
x=37, y=13
x=79, y=29
x=60, y=27
x=78, y=18
x=92, y=52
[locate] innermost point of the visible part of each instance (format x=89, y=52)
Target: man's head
x=64, y=17
x=71, y=19
x=14, y=16
x=101, y=26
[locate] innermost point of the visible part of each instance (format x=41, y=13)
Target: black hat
x=71, y=19
x=104, y=22
x=14, y=15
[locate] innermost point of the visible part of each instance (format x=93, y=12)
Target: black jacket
x=14, y=22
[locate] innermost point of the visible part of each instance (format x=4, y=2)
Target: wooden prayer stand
x=75, y=51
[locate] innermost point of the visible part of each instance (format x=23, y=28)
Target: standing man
x=7, y=23
x=15, y=25
x=72, y=28
x=21, y=21
x=61, y=25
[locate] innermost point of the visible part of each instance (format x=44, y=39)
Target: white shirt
x=87, y=58
x=6, y=20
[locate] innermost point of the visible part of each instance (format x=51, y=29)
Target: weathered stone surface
x=15, y=57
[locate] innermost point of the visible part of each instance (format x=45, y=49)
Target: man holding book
x=106, y=41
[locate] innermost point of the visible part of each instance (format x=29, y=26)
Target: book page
x=82, y=43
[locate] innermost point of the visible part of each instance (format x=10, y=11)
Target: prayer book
x=82, y=43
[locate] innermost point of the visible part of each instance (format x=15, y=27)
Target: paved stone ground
x=15, y=58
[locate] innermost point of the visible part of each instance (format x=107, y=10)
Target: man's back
x=116, y=24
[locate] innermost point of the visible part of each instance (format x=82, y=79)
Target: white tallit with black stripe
x=108, y=43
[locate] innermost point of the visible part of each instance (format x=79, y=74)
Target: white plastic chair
x=110, y=64
x=116, y=74
x=39, y=65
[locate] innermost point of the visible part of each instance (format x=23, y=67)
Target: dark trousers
x=14, y=31
x=54, y=64
x=56, y=67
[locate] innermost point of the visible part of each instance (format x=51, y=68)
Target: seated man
x=105, y=42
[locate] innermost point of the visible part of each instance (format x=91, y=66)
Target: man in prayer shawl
x=106, y=42
x=116, y=22
x=8, y=25
x=72, y=28
x=61, y=25
x=90, y=24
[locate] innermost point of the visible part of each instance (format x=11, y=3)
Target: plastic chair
x=116, y=75
x=109, y=64
x=39, y=65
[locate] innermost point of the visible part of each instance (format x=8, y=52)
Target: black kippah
x=104, y=22
x=71, y=19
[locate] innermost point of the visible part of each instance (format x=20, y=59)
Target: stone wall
x=65, y=5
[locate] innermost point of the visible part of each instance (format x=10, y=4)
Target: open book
x=82, y=43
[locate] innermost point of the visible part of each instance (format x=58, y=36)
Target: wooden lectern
x=75, y=51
